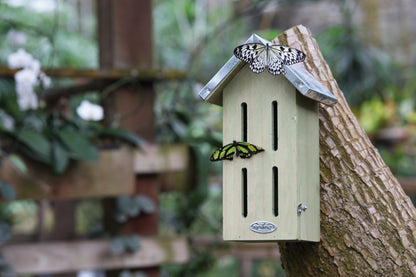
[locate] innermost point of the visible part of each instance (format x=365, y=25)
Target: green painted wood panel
x=297, y=159
x=308, y=168
x=259, y=91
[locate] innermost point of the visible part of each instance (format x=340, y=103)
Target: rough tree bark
x=368, y=225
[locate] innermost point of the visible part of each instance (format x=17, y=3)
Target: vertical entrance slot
x=244, y=121
x=274, y=126
x=275, y=191
x=244, y=190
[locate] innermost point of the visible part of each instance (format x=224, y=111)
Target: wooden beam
x=111, y=175
x=171, y=163
x=140, y=74
x=61, y=257
x=161, y=158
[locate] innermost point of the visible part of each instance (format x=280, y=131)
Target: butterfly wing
x=247, y=52
x=275, y=63
x=246, y=150
x=259, y=63
x=258, y=56
x=223, y=153
x=287, y=54
x=280, y=55
x=229, y=152
x=254, y=54
x=253, y=148
x=243, y=150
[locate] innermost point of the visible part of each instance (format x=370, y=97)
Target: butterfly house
x=271, y=143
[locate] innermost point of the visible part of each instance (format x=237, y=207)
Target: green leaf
x=117, y=246
x=126, y=205
x=38, y=145
x=7, y=191
x=78, y=145
x=125, y=273
x=120, y=245
x=123, y=135
x=18, y=163
x=145, y=204
x=60, y=157
x=132, y=243
x=5, y=231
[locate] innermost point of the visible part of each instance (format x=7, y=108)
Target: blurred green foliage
x=361, y=71
x=199, y=37
x=124, y=244
x=48, y=134
x=132, y=206
x=54, y=36
x=52, y=134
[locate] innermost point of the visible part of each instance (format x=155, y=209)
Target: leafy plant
x=49, y=132
x=132, y=206
x=361, y=71
x=124, y=244
x=5, y=269
x=126, y=273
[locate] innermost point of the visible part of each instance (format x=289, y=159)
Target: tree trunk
x=368, y=223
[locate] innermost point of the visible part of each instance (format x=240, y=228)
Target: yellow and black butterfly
x=243, y=150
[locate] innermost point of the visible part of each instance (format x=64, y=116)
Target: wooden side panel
x=258, y=91
x=112, y=174
x=308, y=168
x=161, y=158
x=61, y=257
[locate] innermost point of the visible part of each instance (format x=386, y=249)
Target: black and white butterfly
x=259, y=56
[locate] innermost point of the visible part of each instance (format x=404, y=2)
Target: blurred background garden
x=50, y=115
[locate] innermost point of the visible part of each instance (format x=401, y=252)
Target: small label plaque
x=262, y=227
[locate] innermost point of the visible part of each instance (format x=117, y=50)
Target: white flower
x=26, y=77
x=28, y=101
x=26, y=80
x=34, y=66
x=26, y=97
x=20, y=59
x=88, y=111
x=45, y=80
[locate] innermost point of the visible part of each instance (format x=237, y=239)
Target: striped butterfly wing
x=259, y=63
x=254, y=54
x=247, y=52
x=246, y=150
x=275, y=64
x=288, y=55
x=274, y=57
x=223, y=153
x=243, y=150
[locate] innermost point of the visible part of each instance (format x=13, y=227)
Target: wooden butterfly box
x=274, y=194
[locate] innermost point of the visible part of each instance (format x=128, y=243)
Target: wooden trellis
x=125, y=44
x=117, y=169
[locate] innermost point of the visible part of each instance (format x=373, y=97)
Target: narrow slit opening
x=275, y=126
x=244, y=121
x=244, y=190
x=275, y=191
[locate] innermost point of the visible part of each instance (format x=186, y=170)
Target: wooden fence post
x=125, y=41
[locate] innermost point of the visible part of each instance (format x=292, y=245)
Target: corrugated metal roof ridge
x=296, y=74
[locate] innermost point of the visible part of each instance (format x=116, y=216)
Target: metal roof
x=297, y=74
